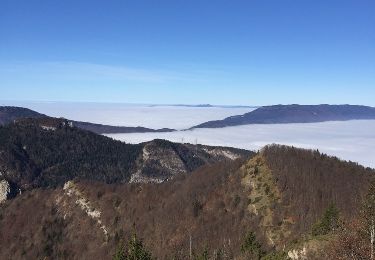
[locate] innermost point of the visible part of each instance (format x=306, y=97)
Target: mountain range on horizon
x=9, y=114
x=287, y=114
x=276, y=114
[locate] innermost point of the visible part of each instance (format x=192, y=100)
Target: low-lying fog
x=350, y=140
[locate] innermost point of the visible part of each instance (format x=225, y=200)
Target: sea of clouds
x=349, y=140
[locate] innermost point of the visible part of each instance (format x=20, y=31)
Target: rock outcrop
x=4, y=190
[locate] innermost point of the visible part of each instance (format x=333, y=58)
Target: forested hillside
x=275, y=204
x=47, y=152
x=9, y=114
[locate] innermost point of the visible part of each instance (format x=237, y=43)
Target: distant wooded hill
x=10, y=114
x=285, y=114
x=48, y=152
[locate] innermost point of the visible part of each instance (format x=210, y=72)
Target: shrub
x=251, y=247
x=134, y=250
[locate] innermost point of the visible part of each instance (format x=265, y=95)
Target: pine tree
x=134, y=250
x=328, y=223
x=251, y=247
x=120, y=253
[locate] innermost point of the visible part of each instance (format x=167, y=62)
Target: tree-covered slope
x=242, y=209
x=9, y=114
x=48, y=152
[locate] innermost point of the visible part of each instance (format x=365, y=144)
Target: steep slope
x=278, y=194
x=291, y=189
x=285, y=114
x=48, y=152
x=10, y=114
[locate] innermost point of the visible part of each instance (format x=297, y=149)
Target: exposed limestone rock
x=4, y=190
x=298, y=254
x=221, y=152
x=264, y=194
x=160, y=162
x=164, y=159
x=48, y=128
x=71, y=190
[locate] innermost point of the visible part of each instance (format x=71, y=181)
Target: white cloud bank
x=350, y=140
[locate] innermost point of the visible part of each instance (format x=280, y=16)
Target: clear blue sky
x=252, y=52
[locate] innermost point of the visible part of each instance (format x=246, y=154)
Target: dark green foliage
x=276, y=256
x=134, y=250
x=203, y=256
x=328, y=223
x=251, y=247
x=120, y=253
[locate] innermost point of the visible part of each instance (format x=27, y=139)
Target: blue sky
x=253, y=52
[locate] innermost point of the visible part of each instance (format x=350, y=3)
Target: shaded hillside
x=48, y=152
x=285, y=114
x=10, y=114
x=278, y=194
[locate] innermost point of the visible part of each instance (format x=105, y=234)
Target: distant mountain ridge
x=9, y=114
x=286, y=114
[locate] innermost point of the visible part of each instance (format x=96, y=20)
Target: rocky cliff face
x=4, y=190
x=162, y=160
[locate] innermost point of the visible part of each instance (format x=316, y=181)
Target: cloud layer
x=351, y=140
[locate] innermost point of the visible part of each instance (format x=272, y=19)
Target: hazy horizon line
x=166, y=104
